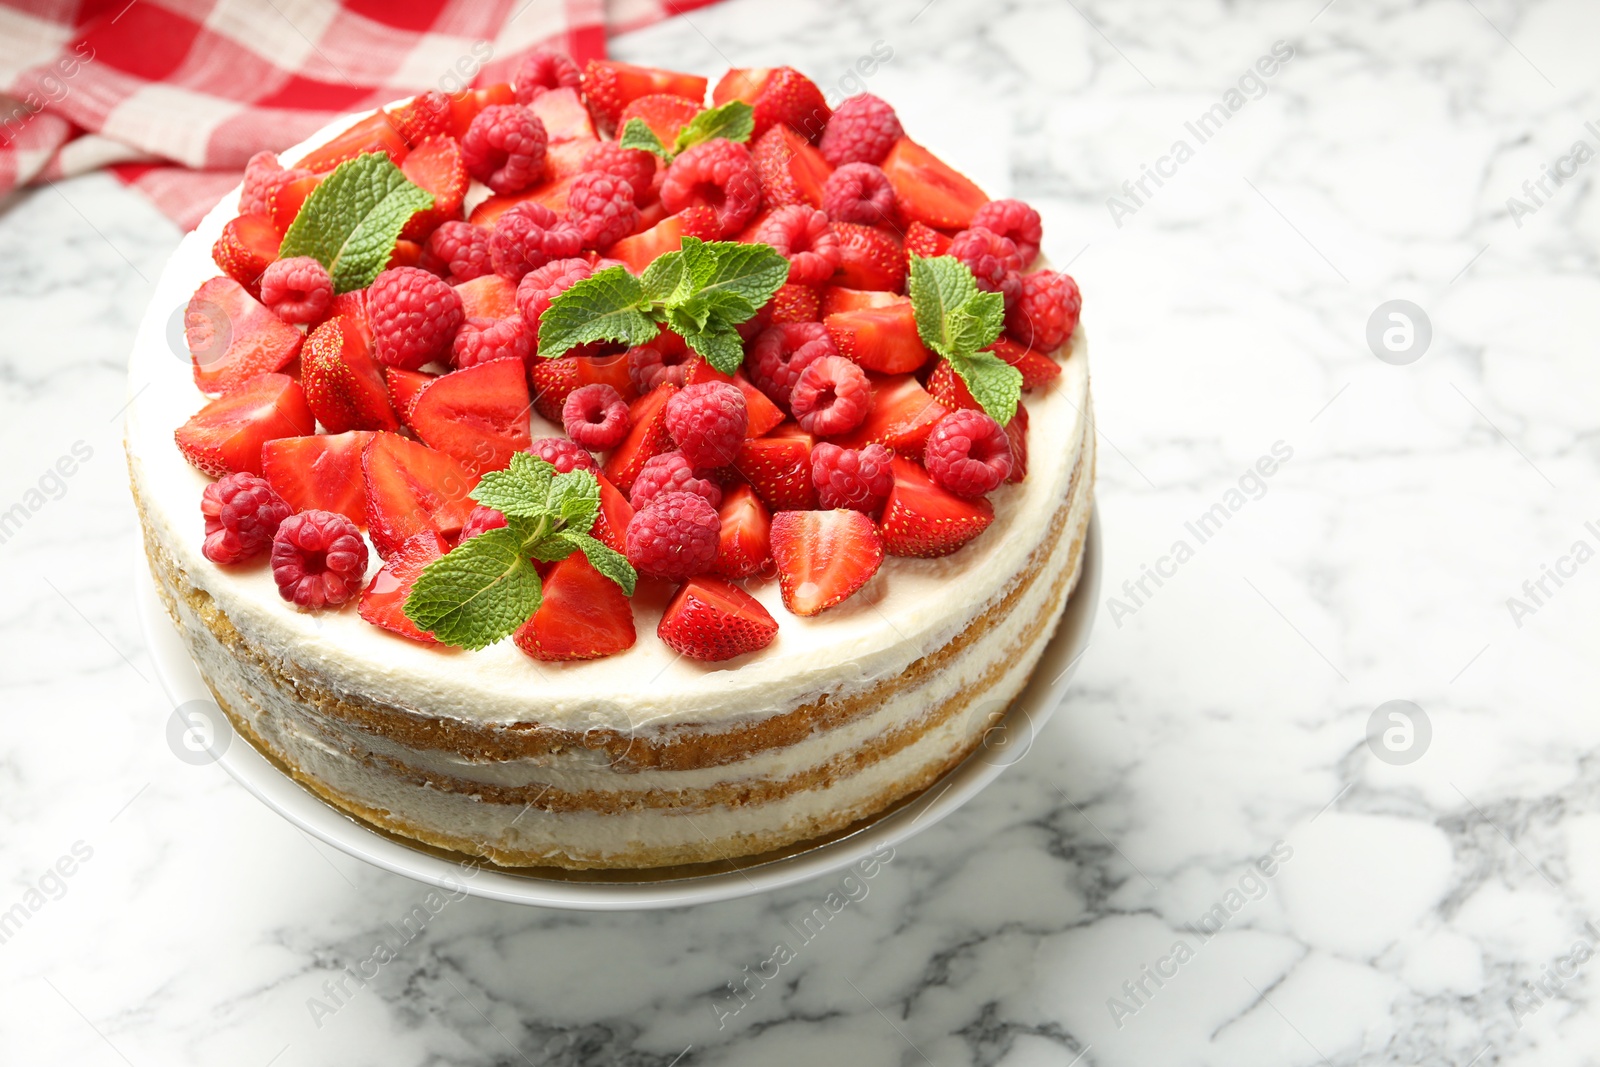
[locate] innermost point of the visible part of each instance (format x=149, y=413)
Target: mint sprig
x=487, y=586
x=958, y=320
x=733, y=121
x=701, y=292
x=351, y=220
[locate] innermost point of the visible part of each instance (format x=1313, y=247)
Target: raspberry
x=847, y=478
x=541, y=69
x=831, y=396
x=543, y=284
x=601, y=204
x=862, y=130
x=967, y=453
x=595, y=416
x=482, y=519
x=462, y=249
x=298, y=290
x=242, y=512
x=993, y=260
x=1016, y=221
x=1045, y=312
x=707, y=421
x=719, y=174
x=780, y=353
x=528, y=236
x=480, y=340
x=636, y=167
x=565, y=456
x=414, y=316
x=504, y=148
x=318, y=559
x=263, y=176
x=801, y=234
x=652, y=365
x=859, y=192
x=674, y=537
x=670, y=472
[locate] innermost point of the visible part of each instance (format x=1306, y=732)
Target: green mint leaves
x=701, y=292
x=351, y=220
x=734, y=121
x=957, y=320
x=487, y=586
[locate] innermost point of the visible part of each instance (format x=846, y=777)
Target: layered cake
x=580, y=473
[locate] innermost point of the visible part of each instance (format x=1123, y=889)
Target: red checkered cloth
x=176, y=95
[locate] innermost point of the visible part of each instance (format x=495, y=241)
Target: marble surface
x=1419, y=896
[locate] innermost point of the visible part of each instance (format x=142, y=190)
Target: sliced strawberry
x=564, y=116
x=869, y=258
x=642, y=249
x=232, y=336
x=776, y=95
x=479, y=414
x=823, y=557
x=246, y=248
x=647, y=437
x=611, y=524
x=551, y=381
x=1017, y=433
x=948, y=389
x=465, y=105
x=383, y=602
x=375, y=133
x=882, y=339
x=779, y=469
x=1037, y=368
x=655, y=212
x=664, y=113
x=903, y=415
x=582, y=615
x=930, y=191
x=564, y=160
x=488, y=296
x=744, y=547
x=552, y=193
x=762, y=414
x=421, y=117
x=609, y=370
x=792, y=171
x=925, y=241
x=405, y=254
x=610, y=86
x=412, y=488
x=795, y=303
x=226, y=435
x=344, y=381
x=712, y=620
x=921, y=519
x=285, y=201
x=404, y=385
x=436, y=166
x=321, y=472
x=748, y=234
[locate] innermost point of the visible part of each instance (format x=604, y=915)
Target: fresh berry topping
x=482, y=519
x=477, y=415
x=993, y=260
x=803, y=236
x=903, y=414
x=795, y=303
x=851, y=478
x=601, y=205
x=504, y=148
x=1015, y=221
x=1036, y=368
x=318, y=559
x=632, y=165
x=664, y=113
x=831, y=396
x=744, y=547
x=383, y=601
x=675, y=537
x=925, y=241
x=670, y=472
x=242, y=512
x=543, y=284
x=791, y=170
x=862, y=130
x=414, y=316
x=232, y=337
x=663, y=360
x=780, y=353
x=481, y=340
x=776, y=95
x=708, y=421
x=344, y=384
x=823, y=557
x=712, y=620
x=564, y=455
x=411, y=488
x=869, y=258
x=1045, y=312
x=610, y=86
x=968, y=453
x=436, y=166
x=648, y=437
x=425, y=115
x=859, y=192
x=262, y=177
x=882, y=339
x=226, y=435
x=321, y=472
x=778, y=468
x=298, y=290
x=718, y=174
x=596, y=417
x=461, y=250
x=528, y=237
x=929, y=190
x=922, y=519
x=542, y=69
x=246, y=248
x=582, y=615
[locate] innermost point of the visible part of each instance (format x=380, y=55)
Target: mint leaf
x=635, y=134
x=667, y=279
x=734, y=121
x=574, y=500
x=608, y=306
x=993, y=383
x=722, y=348
x=478, y=593
x=754, y=271
x=521, y=490
x=605, y=559
x=939, y=286
x=352, y=219
x=957, y=321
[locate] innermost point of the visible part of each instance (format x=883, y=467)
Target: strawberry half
x=921, y=519
x=647, y=437
x=792, y=171
x=232, y=336
x=664, y=113
x=383, y=602
x=487, y=296
x=761, y=413
x=869, y=258
x=421, y=117
x=344, y=381
x=882, y=339
x=795, y=303
x=1037, y=368
x=246, y=248
x=1017, y=434
x=404, y=385
x=776, y=95
x=582, y=615
x=610, y=86
x=564, y=116
x=744, y=547
x=436, y=166
x=611, y=524
x=319, y=473
x=478, y=415
x=712, y=620
x=465, y=105
x=778, y=468
x=903, y=415
x=949, y=390
x=285, y=200
x=551, y=382
x=644, y=247
x=375, y=133
x=226, y=435
x=925, y=241
x=552, y=193
x=609, y=370
x=930, y=191
x=412, y=488
x=823, y=557
x=837, y=298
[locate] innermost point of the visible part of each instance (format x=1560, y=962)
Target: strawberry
x=928, y=190
x=246, y=248
x=478, y=415
x=710, y=619
x=232, y=336
x=664, y=113
x=1037, y=369
x=551, y=382
x=611, y=524
x=564, y=160
x=405, y=254
x=424, y=115
x=925, y=241
x=948, y=388
x=1017, y=433
x=404, y=385
x=285, y=201
x=226, y=435
x=383, y=602
x=761, y=413
x=344, y=381
x=823, y=557
x=882, y=339
x=791, y=170
x=744, y=546
x=921, y=519
x=836, y=298
x=779, y=469
x=319, y=473
x=647, y=437
x=465, y=105
x=609, y=370
x=779, y=95
x=412, y=488
x=552, y=193
x=643, y=248
x=869, y=258
x=582, y=615
x=610, y=86
x=902, y=416
x=488, y=296
x=375, y=133
x=564, y=116
x=435, y=166
x=795, y=303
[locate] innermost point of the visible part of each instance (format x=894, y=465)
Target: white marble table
x=1221, y=715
